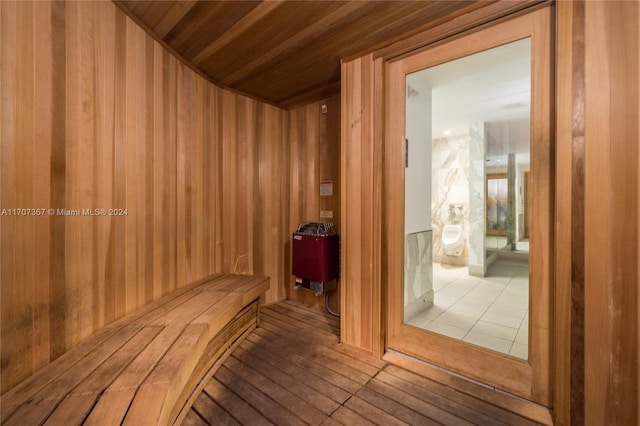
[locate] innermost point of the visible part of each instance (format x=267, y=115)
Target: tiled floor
x=492, y=312
x=500, y=243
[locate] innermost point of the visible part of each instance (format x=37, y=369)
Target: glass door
x=468, y=125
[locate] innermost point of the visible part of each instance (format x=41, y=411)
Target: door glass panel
x=466, y=198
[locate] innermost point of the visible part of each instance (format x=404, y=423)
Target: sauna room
x=319, y=212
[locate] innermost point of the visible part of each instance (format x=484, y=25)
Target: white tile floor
x=492, y=312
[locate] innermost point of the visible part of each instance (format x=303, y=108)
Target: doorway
x=447, y=172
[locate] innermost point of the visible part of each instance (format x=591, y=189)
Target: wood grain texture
x=569, y=190
x=473, y=19
x=297, y=58
x=598, y=97
x=145, y=367
x=361, y=180
x=98, y=115
x=373, y=253
x=314, y=151
x=289, y=371
x=611, y=212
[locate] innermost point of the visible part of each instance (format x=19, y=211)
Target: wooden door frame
x=531, y=379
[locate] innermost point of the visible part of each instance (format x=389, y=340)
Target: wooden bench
x=146, y=368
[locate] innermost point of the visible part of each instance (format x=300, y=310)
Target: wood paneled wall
x=598, y=135
x=95, y=114
x=254, y=171
x=363, y=175
x=362, y=179
x=612, y=79
x=314, y=143
x=596, y=219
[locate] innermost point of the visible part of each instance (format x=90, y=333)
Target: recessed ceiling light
x=447, y=132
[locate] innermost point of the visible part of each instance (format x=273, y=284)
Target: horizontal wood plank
x=300, y=373
x=233, y=404
x=300, y=43
x=467, y=406
x=289, y=372
x=298, y=387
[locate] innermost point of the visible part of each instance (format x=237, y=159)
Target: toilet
x=453, y=240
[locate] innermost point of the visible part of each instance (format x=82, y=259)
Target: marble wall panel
x=477, y=205
x=450, y=192
x=418, y=273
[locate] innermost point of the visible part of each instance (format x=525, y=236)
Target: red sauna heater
x=316, y=257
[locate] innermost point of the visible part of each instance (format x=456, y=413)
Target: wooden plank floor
x=293, y=371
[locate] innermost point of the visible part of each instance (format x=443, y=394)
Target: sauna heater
x=316, y=257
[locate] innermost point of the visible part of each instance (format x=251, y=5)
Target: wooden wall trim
x=400, y=42
x=379, y=220
x=476, y=19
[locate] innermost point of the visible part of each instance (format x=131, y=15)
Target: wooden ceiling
x=284, y=52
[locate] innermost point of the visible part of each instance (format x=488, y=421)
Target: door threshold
x=482, y=391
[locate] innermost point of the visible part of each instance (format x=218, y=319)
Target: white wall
x=418, y=174
x=418, y=273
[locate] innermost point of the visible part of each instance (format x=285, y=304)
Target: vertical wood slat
x=360, y=169
x=597, y=242
x=577, y=239
x=330, y=171
x=272, y=213
x=625, y=79
x=24, y=286
x=7, y=90
x=97, y=115
x=623, y=386
x=229, y=166
x=350, y=332
x=57, y=248
x=159, y=148
x=42, y=164
x=598, y=52
x=314, y=144
x=118, y=230
x=565, y=179
x=542, y=166
x=611, y=211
